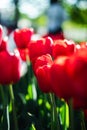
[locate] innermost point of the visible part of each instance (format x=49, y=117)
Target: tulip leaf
x=64, y=113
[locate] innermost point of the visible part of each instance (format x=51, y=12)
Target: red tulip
x=43, y=78
x=42, y=72
x=41, y=61
x=77, y=70
x=63, y=47
x=9, y=68
x=40, y=47
x=1, y=32
x=22, y=37
x=61, y=82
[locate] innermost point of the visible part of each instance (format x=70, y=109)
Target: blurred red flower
x=42, y=72
x=40, y=47
x=22, y=38
x=60, y=80
x=63, y=47
x=42, y=60
x=77, y=70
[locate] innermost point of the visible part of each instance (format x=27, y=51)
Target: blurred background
x=33, y=13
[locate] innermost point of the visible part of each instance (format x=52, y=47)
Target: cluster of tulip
x=60, y=66
x=66, y=75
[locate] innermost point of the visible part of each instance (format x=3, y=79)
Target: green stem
x=55, y=124
x=83, y=121
x=13, y=107
x=71, y=115
x=2, y=95
x=27, y=60
x=64, y=116
x=6, y=122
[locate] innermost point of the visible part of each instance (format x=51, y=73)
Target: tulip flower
x=22, y=37
x=63, y=47
x=40, y=47
x=60, y=80
x=41, y=61
x=77, y=70
x=42, y=72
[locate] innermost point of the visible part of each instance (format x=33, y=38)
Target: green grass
x=71, y=24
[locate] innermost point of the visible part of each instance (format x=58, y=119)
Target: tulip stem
x=6, y=123
x=13, y=106
x=83, y=121
x=2, y=95
x=64, y=116
x=55, y=125
x=71, y=115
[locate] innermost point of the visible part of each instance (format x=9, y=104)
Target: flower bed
x=53, y=88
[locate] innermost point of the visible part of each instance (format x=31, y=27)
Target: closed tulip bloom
x=43, y=78
x=41, y=61
x=42, y=72
x=22, y=37
x=63, y=47
x=40, y=47
x=60, y=80
x=77, y=70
